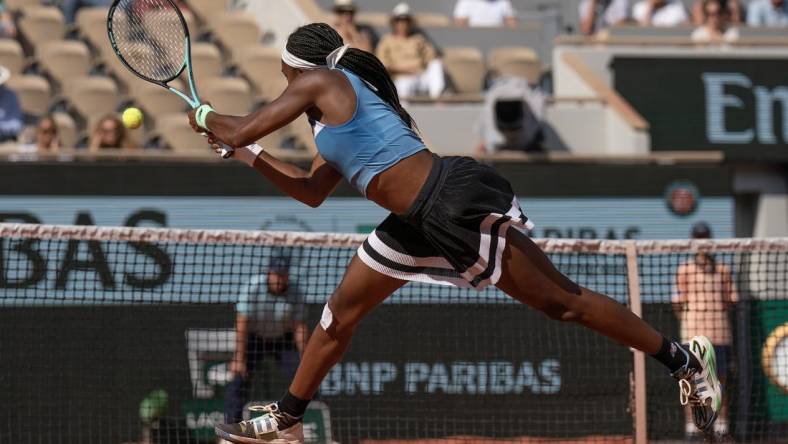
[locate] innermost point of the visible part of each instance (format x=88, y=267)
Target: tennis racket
x=151, y=39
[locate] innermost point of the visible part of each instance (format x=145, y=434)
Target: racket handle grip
x=227, y=151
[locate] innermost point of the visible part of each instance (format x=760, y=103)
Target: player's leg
x=361, y=290
x=530, y=277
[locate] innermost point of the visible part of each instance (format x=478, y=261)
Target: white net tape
x=341, y=240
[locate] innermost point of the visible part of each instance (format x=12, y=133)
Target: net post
x=639, y=367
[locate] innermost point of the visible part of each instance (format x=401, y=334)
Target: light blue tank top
x=372, y=141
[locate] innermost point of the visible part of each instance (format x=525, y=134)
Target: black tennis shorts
x=455, y=231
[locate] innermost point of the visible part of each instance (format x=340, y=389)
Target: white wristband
x=248, y=154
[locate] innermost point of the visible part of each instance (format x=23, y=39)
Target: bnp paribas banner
x=736, y=105
x=668, y=217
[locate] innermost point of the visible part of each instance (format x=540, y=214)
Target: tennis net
x=114, y=335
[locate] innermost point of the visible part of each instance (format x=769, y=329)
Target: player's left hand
x=193, y=121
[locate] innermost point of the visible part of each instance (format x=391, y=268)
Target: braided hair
x=314, y=42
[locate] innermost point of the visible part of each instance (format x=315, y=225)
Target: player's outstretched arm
x=310, y=187
x=238, y=132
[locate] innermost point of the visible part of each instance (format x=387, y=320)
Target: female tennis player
x=453, y=221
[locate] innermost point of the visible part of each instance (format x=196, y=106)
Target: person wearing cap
x=269, y=325
x=356, y=36
x=11, y=121
x=410, y=59
x=705, y=292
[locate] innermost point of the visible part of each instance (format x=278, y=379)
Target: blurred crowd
x=513, y=104
x=714, y=20
x=42, y=136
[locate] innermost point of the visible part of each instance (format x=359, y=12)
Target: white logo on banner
x=455, y=378
x=718, y=101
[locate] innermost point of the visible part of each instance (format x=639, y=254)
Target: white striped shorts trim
x=399, y=250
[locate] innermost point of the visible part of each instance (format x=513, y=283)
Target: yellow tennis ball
x=132, y=118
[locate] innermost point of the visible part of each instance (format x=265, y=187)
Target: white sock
x=721, y=426
x=689, y=428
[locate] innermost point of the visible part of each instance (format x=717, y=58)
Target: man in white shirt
x=599, y=14
x=660, y=13
x=485, y=13
x=768, y=13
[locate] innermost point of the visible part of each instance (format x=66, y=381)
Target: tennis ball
x=132, y=118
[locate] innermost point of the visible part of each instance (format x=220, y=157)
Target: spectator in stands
x=357, y=36
x=410, y=58
x=47, y=140
x=7, y=26
x=598, y=14
x=660, y=13
x=772, y=13
x=10, y=110
x=43, y=138
x=716, y=27
x=481, y=13
x=70, y=7
x=733, y=6
x=269, y=324
x=109, y=133
x=705, y=293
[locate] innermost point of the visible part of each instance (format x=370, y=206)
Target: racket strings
x=150, y=36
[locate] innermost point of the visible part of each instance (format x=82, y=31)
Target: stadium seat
x=261, y=65
x=465, y=68
x=154, y=22
x=235, y=29
x=67, y=130
x=374, y=19
x=432, y=19
x=92, y=26
x=206, y=61
x=34, y=93
x=42, y=24
x=516, y=61
x=64, y=59
x=123, y=74
x=156, y=101
x=11, y=55
x=176, y=133
x=17, y=5
x=92, y=95
x=228, y=95
x=207, y=10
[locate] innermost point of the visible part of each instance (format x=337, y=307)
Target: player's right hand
x=217, y=147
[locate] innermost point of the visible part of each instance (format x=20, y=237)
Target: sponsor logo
x=726, y=92
x=450, y=378
x=682, y=197
x=774, y=357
